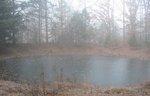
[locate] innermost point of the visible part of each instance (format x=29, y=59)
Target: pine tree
x=9, y=21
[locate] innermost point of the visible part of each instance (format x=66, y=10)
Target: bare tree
x=124, y=34
x=147, y=17
x=46, y=20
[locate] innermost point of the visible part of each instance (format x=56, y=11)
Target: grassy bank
x=8, y=88
x=25, y=50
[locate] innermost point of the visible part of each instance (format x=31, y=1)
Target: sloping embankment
x=8, y=88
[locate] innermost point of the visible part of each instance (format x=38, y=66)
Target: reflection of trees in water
x=53, y=68
x=70, y=68
x=75, y=69
x=138, y=70
x=9, y=70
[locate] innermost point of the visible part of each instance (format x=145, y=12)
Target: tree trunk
x=13, y=31
x=39, y=25
x=124, y=34
x=46, y=21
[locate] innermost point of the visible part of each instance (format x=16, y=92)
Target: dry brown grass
x=37, y=50
x=8, y=88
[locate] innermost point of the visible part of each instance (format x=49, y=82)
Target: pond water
x=98, y=70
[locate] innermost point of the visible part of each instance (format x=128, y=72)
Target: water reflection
x=98, y=70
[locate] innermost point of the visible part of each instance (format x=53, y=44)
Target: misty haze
x=74, y=48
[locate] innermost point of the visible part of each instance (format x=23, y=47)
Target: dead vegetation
x=26, y=50
x=8, y=88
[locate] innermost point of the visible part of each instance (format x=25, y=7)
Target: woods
x=56, y=22
x=10, y=21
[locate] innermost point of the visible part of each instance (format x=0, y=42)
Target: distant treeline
x=55, y=22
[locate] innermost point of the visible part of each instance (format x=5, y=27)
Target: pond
x=98, y=70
